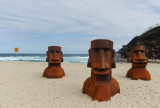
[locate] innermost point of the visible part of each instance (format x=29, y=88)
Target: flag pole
x=16, y=51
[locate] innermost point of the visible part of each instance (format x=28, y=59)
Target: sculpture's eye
x=105, y=50
x=51, y=51
x=57, y=51
x=95, y=50
x=135, y=51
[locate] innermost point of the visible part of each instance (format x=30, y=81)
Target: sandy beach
x=22, y=86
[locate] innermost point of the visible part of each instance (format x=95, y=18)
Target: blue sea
x=67, y=58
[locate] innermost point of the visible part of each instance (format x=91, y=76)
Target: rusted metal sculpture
x=101, y=86
x=54, y=59
x=139, y=61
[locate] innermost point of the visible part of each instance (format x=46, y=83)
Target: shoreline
x=123, y=61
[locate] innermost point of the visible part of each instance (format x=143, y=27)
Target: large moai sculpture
x=101, y=86
x=54, y=59
x=139, y=61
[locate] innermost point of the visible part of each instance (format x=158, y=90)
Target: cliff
x=150, y=38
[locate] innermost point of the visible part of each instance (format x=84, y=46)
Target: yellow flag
x=16, y=49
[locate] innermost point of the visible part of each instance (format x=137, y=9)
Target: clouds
x=36, y=24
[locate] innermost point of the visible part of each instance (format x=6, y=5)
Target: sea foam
x=67, y=58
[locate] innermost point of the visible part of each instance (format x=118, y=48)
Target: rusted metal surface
x=139, y=61
x=101, y=86
x=54, y=59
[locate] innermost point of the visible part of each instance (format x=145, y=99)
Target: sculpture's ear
x=130, y=60
x=146, y=53
x=61, y=56
x=89, y=59
x=47, y=56
x=89, y=63
x=113, y=64
x=130, y=56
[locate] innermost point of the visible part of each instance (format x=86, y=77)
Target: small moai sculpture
x=54, y=59
x=139, y=61
x=101, y=86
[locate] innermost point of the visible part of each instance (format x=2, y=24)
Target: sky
x=33, y=25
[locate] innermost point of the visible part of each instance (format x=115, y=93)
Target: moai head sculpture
x=54, y=59
x=101, y=86
x=102, y=56
x=139, y=61
x=138, y=55
x=54, y=55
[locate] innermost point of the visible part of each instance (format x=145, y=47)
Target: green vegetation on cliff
x=150, y=38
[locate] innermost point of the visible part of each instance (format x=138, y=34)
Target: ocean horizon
x=67, y=58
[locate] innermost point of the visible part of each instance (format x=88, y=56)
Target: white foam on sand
x=22, y=86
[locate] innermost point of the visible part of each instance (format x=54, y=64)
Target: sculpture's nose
x=139, y=56
x=54, y=56
x=101, y=60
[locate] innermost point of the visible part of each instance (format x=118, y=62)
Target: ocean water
x=67, y=58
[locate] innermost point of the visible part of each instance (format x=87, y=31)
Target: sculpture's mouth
x=55, y=61
x=139, y=62
x=101, y=71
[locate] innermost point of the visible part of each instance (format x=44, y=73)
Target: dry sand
x=22, y=86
